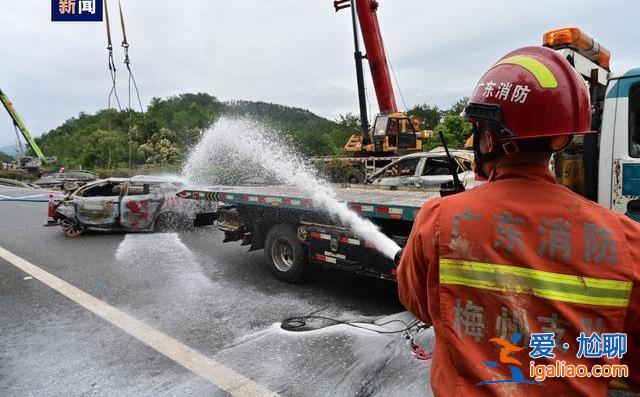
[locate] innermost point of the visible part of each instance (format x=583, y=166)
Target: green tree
x=349, y=122
x=161, y=148
x=108, y=149
x=429, y=115
x=456, y=131
x=458, y=107
x=5, y=158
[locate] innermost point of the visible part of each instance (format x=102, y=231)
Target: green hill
x=170, y=127
x=163, y=135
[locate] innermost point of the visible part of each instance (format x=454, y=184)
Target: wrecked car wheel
x=284, y=253
x=70, y=228
x=171, y=222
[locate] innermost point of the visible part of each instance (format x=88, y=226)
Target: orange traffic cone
x=51, y=212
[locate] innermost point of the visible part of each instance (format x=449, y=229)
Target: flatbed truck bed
x=370, y=202
x=284, y=221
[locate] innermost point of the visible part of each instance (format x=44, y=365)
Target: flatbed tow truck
x=285, y=222
x=604, y=167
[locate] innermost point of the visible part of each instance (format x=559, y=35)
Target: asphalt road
x=214, y=298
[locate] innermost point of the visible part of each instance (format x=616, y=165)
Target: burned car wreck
x=137, y=204
x=427, y=170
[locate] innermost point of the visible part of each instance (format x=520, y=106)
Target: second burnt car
x=427, y=170
x=73, y=178
x=137, y=204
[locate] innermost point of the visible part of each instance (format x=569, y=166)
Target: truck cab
x=395, y=131
x=392, y=133
x=619, y=170
x=604, y=167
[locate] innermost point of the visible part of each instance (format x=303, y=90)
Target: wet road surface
x=214, y=298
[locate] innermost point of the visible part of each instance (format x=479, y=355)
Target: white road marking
x=208, y=368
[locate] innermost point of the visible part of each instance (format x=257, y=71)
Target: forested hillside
x=165, y=132
x=170, y=127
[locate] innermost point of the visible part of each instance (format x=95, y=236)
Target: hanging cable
x=112, y=66
x=127, y=60
x=20, y=151
x=395, y=78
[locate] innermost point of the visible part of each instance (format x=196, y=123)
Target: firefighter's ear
x=495, y=142
x=488, y=143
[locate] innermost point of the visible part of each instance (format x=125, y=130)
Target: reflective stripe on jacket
x=520, y=254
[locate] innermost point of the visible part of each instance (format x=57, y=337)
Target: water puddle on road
x=165, y=246
x=339, y=358
x=164, y=258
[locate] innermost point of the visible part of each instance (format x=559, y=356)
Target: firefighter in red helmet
x=497, y=266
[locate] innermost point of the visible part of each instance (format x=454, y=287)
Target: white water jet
x=236, y=149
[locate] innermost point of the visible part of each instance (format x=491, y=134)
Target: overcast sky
x=292, y=52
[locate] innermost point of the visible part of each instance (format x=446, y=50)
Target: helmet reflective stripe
x=539, y=95
x=545, y=78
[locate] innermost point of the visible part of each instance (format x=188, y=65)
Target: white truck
x=604, y=167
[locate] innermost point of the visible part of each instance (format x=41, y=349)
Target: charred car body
x=427, y=170
x=70, y=180
x=137, y=204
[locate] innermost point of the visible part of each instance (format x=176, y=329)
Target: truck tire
x=285, y=255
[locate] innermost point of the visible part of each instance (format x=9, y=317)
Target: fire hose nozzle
x=397, y=257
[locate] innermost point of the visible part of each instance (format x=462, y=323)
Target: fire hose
x=299, y=323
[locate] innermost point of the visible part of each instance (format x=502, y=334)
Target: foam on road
x=214, y=298
x=216, y=373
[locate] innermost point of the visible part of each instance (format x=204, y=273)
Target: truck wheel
x=285, y=255
x=354, y=180
x=170, y=222
x=70, y=228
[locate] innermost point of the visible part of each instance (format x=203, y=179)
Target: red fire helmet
x=532, y=92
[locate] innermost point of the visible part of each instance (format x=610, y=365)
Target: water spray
x=234, y=150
